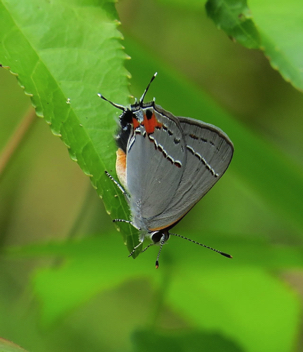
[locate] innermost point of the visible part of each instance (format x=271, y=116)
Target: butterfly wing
x=155, y=157
x=208, y=154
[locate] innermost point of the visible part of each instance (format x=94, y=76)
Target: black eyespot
x=149, y=114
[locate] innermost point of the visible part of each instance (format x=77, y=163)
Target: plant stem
x=16, y=139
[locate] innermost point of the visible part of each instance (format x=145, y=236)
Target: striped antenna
x=202, y=245
x=118, y=106
x=146, y=89
x=161, y=245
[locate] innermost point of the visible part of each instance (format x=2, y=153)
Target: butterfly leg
x=127, y=222
x=137, y=246
x=122, y=220
x=117, y=184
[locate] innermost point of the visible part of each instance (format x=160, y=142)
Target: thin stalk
x=16, y=139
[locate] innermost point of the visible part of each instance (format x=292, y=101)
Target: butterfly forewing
x=158, y=158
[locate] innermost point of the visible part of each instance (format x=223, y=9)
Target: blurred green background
x=69, y=285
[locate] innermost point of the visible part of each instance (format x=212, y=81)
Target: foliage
x=85, y=292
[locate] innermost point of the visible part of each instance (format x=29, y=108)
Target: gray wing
x=209, y=152
x=155, y=164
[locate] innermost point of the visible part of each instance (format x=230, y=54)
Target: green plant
x=64, y=53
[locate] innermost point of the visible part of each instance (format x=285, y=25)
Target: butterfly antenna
x=118, y=106
x=202, y=245
x=161, y=245
x=146, y=89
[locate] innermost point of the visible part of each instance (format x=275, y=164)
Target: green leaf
x=280, y=24
x=89, y=266
x=234, y=17
x=274, y=26
x=242, y=309
x=180, y=341
x=97, y=264
x=232, y=297
x=63, y=53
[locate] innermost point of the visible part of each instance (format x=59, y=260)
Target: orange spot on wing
x=135, y=123
x=121, y=166
x=151, y=124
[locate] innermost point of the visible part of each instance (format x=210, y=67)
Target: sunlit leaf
x=234, y=17
x=63, y=54
x=275, y=26
x=241, y=309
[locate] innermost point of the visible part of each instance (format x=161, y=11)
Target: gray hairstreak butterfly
x=165, y=165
